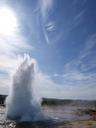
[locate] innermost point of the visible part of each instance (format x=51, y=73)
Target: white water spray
x=21, y=104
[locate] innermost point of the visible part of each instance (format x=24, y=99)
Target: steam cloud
x=21, y=104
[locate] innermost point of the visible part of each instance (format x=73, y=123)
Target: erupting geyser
x=20, y=104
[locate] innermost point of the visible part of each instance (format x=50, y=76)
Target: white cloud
x=44, y=86
x=75, y=75
x=9, y=50
x=79, y=80
x=9, y=63
x=13, y=42
x=45, y=9
x=78, y=92
x=86, y=60
x=46, y=6
x=56, y=75
x=11, y=46
x=4, y=86
x=50, y=26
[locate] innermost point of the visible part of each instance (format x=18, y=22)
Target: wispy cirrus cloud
x=87, y=56
x=76, y=76
x=46, y=7
x=48, y=88
x=86, y=59
x=89, y=45
x=47, y=25
x=11, y=46
x=79, y=81
x=50, y=26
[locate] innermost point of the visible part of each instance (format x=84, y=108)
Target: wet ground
x=62, y=116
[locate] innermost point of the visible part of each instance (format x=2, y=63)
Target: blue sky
x=61, y=37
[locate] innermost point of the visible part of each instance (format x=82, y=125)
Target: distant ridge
x=2, y=99
x=54, y=101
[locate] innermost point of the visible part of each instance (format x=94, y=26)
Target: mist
x=21, y=104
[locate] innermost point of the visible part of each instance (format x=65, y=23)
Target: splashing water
x=20, y=104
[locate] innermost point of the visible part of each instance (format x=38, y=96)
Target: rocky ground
x=65, y=124
x=63, y=116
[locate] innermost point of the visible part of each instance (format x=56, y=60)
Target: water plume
x=21, y=104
